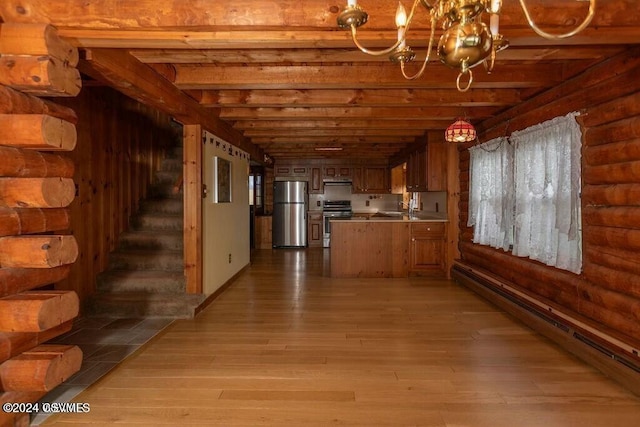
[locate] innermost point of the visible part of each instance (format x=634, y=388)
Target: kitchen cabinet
x=339, y=172
x=417, y=170
x=314, y=229
x=437, y=153
x=315, y=181
x=288, y=171
x=427, y=250
x=371, y=180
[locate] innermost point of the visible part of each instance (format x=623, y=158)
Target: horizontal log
x=552, y=293
x=9, y=419
x=611, y=195
x=37, y=131
x=617, y=281
x=14, y=280
x=617, y=152
x=14, y=222
x=616, y=259
x=36, y=192
x=17, y=162
x=621, y=130
x=39, y=75
x=616, y=321
x=37, y=251
x=37, y=311
x=41, y=369
x=612, y=300
x=14, y=343
x=617, y=173
x=499, y=262
x=15, y=102
x=36, y=40
x=610, y=237
x=618, y=108
x=617, y=216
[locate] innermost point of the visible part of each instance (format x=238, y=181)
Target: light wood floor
x=285, y=346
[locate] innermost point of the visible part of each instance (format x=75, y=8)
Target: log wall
x=36, y=188
x=120, y=145
x=607, y=293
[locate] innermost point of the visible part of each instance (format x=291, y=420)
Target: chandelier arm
x=373, y=52
x=540, y=32
x=426, y=59
x=466, y=88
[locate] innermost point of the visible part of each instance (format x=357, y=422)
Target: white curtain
x=547, y=194
x=491, y=193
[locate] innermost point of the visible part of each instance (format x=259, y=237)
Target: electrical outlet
x=229, y=258
x=366, y=202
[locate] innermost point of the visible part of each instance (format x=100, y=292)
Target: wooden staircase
x=145, y=276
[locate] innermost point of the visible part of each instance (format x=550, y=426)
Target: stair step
x=165, y=190
x=151, y=221
x=143, y=304
x=162, y=206
x=152, y=240
x=147, y=260
x=167, y=176
x=172, y=164
x=141, y=281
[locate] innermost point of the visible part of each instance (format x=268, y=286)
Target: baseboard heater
x=611, y=347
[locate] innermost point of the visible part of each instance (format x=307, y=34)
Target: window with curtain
x=491, y=193
x=525, y=192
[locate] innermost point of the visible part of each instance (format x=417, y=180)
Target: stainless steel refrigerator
x=290, y=201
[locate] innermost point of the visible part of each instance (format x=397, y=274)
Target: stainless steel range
x=331, y=210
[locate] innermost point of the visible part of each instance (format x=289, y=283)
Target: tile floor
x=105, y=342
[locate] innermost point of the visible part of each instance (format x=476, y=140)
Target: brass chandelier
x=466, y=42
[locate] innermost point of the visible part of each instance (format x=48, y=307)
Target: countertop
x=399, y=217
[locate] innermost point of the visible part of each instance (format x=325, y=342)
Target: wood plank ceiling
x=280, y=74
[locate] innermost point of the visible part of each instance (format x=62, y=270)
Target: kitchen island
x=388, y=246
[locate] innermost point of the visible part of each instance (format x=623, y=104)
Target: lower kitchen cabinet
x=314, y=229
x=263, y=230
x=428, y=249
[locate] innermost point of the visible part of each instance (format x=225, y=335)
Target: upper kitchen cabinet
x=371, y=179
x=315, y=181
x=437, y=166
x=291, y=171
x=417, y=170
x=338, y=172
x=426, y=168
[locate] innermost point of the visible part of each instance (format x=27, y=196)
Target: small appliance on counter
x=290, y=200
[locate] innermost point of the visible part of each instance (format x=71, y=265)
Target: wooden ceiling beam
x=336, y=140
x=371, y=76
x=140, y=82
x=362, y=97
x=374, y=113
x=347, y=124
x=164, y=14
x=311, y=56
x=332, y=132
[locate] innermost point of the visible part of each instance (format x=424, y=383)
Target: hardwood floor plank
x=286, y=345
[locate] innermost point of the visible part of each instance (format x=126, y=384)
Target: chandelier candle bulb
x=401, y=16
x=495, y=6
x=494, y=24
x=352, y=3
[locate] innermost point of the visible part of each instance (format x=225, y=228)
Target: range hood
x=337, y=182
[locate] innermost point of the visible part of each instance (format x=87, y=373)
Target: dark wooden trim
x=219, y=291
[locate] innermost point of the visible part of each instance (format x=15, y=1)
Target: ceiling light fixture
x=466, y=41
x=460, y=131
x=328, y=148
